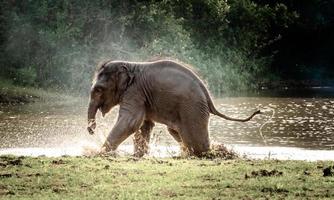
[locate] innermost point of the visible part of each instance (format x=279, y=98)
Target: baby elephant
x=163, y=91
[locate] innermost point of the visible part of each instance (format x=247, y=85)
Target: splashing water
x=300, y=129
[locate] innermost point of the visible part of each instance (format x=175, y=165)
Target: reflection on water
x=298, y=123
x=305, y=123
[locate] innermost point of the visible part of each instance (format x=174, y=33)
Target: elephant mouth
x=102, y=109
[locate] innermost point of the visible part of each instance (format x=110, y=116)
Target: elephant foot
x=141, y=145
x=184, y=152
x=104, y=152
x=107, y=150
x=140, y=150
x=194, y=152
x=89, y=151
x=139, y=154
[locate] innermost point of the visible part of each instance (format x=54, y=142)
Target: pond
x=290, y=128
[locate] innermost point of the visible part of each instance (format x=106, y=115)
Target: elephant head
x=110, y=82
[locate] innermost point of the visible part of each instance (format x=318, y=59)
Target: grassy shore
x=13, y=94
x=131, y=178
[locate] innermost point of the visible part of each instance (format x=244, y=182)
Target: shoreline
x=161, y=151
x=13, y=94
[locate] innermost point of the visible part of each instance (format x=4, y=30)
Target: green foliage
x=58, y=43
x=26, y=76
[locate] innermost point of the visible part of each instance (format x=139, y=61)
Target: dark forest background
x=236, y=45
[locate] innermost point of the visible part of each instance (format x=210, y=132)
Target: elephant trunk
x=92, y=109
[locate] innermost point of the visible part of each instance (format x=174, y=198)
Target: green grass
x=11, y=94
x=130, y=178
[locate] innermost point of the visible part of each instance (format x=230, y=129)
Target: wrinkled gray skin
x=162, y=91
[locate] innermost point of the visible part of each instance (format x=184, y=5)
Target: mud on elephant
x=163, y=91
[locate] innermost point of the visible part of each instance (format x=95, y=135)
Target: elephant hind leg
x=177, y=137
x=193, y=141
x=197, y=147
x=194, y=129
x=141, y=138
x=195, y=136
x=197, y=143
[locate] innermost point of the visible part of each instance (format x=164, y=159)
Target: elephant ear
x=125, y=78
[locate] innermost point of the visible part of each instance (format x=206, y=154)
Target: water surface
x=305, y=124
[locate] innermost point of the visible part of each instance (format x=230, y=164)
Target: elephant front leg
x=141, y=139
x=126, y=125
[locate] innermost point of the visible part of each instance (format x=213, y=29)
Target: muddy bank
x=16, y=98
x=12, y=94
x=160, y=151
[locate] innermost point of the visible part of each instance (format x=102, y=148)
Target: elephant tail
x=214, y=111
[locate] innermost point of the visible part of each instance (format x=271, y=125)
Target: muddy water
x=297, y=123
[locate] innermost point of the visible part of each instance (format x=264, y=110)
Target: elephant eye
x=100, y=75
x=98, y=89
x=104, y=74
